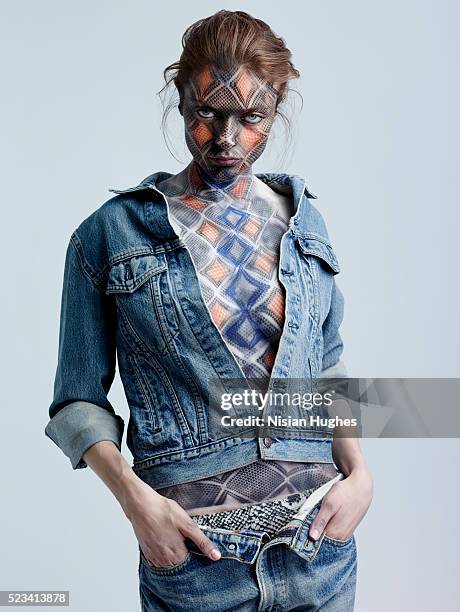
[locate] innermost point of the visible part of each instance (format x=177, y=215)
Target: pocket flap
x=311, y=244
x=127, y=275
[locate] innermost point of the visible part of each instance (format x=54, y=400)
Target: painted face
x=227, y=119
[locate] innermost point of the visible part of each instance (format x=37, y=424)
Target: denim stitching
x=86, y=268
x=170, y=569
x=130, y=334
x=337, y=542
x=145, y=395
x=143, y=278
x=168, y=337
x=220, y=445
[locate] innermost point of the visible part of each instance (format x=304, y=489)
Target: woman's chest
x=235, y=246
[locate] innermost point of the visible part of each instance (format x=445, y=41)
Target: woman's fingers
x=194, y=533
x=162, y=539
x=327, y=510
x=344, y=505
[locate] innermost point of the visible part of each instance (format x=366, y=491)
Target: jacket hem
x=173, y=472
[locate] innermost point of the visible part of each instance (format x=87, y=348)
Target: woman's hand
x=344, y=506
x=161, y=526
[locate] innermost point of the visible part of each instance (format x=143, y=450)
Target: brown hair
x=225, y=40
x=233, y=38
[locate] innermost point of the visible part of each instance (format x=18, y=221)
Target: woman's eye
x=252, y=118
x=203, y=112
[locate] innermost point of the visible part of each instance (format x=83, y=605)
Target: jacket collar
x=307, y=221
x=286, y=182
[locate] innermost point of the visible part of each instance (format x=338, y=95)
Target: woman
x=196, y=279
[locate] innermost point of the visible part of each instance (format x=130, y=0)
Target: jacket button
x=268, y=442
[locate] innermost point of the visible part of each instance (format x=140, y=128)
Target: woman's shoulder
x=124, y=205
x=115, y=227
x=110, y=215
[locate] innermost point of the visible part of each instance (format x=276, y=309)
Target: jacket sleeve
x=333, y=366
x=80, y=413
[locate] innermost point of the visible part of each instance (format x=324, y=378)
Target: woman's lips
x=224, y=160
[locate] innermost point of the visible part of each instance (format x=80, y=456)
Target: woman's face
x=227, y=119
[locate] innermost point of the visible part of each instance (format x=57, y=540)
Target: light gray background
x=377, y=142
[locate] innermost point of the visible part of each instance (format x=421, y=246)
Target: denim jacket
x=131, y=293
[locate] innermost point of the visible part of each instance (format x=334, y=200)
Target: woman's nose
x=227, y=134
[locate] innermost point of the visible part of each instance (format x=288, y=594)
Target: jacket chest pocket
x=147, y=313
x=318, y=266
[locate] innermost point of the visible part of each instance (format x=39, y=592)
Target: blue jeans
x=287, y=572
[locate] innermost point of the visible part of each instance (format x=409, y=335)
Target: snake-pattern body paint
x=227, y=119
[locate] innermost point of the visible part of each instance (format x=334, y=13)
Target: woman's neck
x=195, y=181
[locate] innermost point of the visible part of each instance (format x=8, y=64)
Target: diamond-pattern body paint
x=227, y=114
x=233, y=236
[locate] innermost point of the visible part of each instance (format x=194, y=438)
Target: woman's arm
x=81, y=413
x=348, y=500
x=83, y=422
x=160, y=524
x=345, y=504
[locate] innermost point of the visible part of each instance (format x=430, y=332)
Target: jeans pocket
x=324, y=537
x=337, y=541
x=170, y=569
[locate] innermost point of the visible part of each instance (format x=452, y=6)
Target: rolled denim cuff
x=338, y=370
x=81, y=424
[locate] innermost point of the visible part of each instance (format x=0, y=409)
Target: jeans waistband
x=245, y=544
